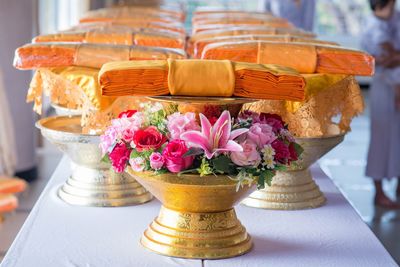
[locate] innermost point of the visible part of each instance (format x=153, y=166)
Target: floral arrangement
x=249, y=148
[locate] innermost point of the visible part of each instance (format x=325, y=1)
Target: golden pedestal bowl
x=204, y=105
x=92, y=183
x=197, y=218
x=295, y=188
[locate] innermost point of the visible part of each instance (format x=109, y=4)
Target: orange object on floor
x=9, y=185
x=8, y=203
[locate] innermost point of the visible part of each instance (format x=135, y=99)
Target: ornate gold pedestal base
x=92, y=182
x=123, y=192
x=197, y=235
x=292, y=190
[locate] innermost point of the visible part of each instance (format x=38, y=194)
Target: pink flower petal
x=236, y=133
x=196, y=139
x=233, y=147
x=221, y=129
x=205, y=126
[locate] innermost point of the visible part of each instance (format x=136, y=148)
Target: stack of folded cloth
x=50, y=55
x=124, y=36
x=213, y=78
x=303, y=57
x=9, y=187
x=148, y=17
x=198, y=46
x=240, y=30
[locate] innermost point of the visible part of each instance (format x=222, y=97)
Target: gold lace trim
x=328, y=112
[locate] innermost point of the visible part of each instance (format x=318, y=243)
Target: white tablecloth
x=58, y=234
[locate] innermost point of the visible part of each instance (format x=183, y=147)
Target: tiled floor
x=345, y=165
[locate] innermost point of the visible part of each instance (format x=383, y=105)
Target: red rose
x=293, y=152
x=173, y=155
x=149, y=138
x=212, y=113
x=127, y=114
x=282, y=153
x=119, y=157
x=272, y=119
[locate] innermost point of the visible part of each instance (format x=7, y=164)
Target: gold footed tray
x=295, y=189
x=197, y=219
x=92, y=182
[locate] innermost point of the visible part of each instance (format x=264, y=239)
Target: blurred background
x=335, y=20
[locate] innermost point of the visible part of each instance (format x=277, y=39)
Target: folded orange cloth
x=136, y=11
x=143, y=78
x=199, y=45
x=268, y=82
x=201, y=78
x=246, y=30
x=344, y=61
x=221, y=24
x=11, y=185
x=125, y=37
x=242, y=30
x=303, y=57
x=8, y=203
x=49, y=55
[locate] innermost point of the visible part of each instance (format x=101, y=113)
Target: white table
x=57, y=234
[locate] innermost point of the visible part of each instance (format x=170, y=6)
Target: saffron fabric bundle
x=50, y=55
x=220, y=78
x=233, y=31
x=142, y=78
x=10, y=185
x=305, y=58
x=221, y=25
x=246, y=30
x=199, y=45
x=135, y=11
x=141, y=26
x=115, y=37
x=8, y=203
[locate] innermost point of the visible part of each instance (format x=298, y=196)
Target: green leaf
x=106, y=159
x=265, y=176
x=223, y=164
x=261, y=181
x=298, y=148
x=280, y=168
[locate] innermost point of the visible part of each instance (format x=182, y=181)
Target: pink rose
x=128, y=134
x=173, y=155
x=249, y=157
x=137, y=164
x=156, y=161
x=119, y=157
x=261, y=134
x=179, y=123
x=107, y=139
x=282, y=153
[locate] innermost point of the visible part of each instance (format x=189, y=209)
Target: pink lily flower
x=217, y=138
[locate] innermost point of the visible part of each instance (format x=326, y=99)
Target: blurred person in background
x=16, y=28
x=299, y=12
x=382, y=39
